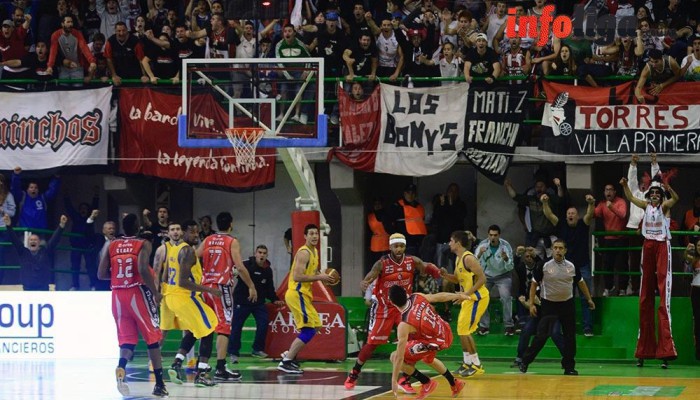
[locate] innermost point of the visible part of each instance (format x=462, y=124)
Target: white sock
x=180, y=357
x=466, y=357
x=475, y=359
x=202, y=366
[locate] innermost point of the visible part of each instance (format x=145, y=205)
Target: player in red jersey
x=134, y=301
x=396, y=268
x=428, y=333
x=221, y=254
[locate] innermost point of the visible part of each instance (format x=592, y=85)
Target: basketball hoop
x=244, y=142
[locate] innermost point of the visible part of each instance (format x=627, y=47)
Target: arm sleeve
x=620, y=208
x=16, y=186
x=55, y=239
x=138, y=50
x=72, y=213
x=632, y=179
x=270, y=286
x=12, y=236
x=54, y=186
x=10, y=206
x=53, y=51
x=84, y=49
x=538, y=272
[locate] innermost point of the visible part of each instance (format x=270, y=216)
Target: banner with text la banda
x=54, y=129
x=148, y=144
x=609, y=120
x=400, y=131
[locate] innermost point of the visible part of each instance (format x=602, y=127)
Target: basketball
x=333, y=274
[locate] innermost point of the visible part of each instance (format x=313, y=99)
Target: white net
x=244, y=142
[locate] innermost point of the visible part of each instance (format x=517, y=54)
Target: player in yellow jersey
x=299, y=297
x=182, y=296
x=471, y=278
x=168, y=321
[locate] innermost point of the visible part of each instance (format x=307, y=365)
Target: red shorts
x=135, y=310
x=411, y=356
x=222, y=306
x=382, y=319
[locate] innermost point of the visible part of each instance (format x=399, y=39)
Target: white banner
x=57, y=325
x=53, y=129
x=422, y=129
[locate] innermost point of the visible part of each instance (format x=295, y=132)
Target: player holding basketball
x=299, y=297
x=428, y=334
x=182, y=296
x=471, y=279
x=134, y=301
x=396, y=268
x=220, y=254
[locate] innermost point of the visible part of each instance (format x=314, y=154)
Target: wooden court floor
x=76, y=379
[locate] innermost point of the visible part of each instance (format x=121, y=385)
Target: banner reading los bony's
x=610, y=120
x=422, y=129
x=148, y=144
x=54, y=129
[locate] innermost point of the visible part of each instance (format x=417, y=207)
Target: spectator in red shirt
x=124, y=53
x=613, y=211
x=74, y=52
x=12, y=42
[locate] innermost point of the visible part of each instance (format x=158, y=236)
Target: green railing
x=47, y=232
x=603, y=249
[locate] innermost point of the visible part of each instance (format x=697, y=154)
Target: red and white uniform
x=133, y=304
x=432, y=332
x=217, y=271
x=383, y=315
x=656, y=274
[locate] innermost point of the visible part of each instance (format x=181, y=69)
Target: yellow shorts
x=303, y=311
x=168, y=320
x=191, y=313
x=470, y=314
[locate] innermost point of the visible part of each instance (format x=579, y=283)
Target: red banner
x=148, y=144
x=328, y=344
x=361, y=123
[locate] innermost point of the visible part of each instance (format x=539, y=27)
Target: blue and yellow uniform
x=184, y=309
x=472, y=310
x=299, y=296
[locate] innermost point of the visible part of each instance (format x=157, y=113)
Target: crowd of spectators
x=395, y=40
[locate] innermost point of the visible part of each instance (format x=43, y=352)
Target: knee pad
x=306, y=334
x=129, y=347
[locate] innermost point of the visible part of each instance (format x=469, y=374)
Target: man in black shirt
x=330, y=43
x=35, y=262
x=481, y=61
x=361, y=60
x=574, y=230
x=32, y=65
x=260, y=272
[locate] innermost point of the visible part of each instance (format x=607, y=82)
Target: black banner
x=493, y=122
